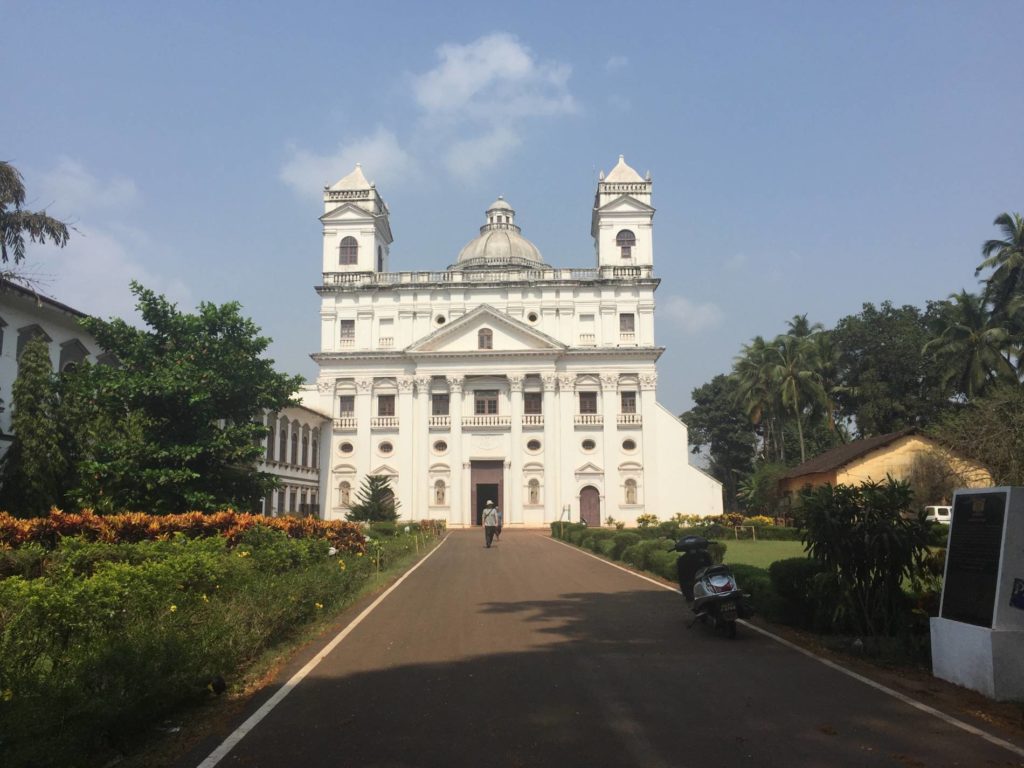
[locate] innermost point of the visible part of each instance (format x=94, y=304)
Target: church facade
x=502, y=377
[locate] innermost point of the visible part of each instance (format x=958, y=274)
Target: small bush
x=622, y=541
x=792, y=580
x=778, y=533
x=606, y=547
x=383, y=529
x=646, y=520
x=756, y=582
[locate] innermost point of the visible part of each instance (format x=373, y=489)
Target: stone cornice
x=646, y=353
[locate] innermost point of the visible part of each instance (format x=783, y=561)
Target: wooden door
x=590, y=506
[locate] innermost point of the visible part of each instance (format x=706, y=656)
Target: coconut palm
x=972, y=345
x=756, y=394
x=794, y=371
x=16, y=223
x=1006, y=258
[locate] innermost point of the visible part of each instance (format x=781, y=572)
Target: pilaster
x=610, y=443
x=460, y=490
x=551, y=413
x=514, y=482
x=407, y=481
x=422, y=490
x=649, y=441
x=566, y=445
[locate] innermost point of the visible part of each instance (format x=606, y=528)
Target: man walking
x=490, y=521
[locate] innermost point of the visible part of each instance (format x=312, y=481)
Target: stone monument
x=978, y=637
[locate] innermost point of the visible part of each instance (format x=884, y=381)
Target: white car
x=938, y=514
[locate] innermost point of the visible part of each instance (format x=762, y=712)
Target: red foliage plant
x=136, y=526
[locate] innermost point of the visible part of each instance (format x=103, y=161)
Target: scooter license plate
x=728, y=612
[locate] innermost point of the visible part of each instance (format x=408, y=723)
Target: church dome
x=500, y=244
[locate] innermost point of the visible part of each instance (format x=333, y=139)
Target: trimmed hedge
x=792, y=580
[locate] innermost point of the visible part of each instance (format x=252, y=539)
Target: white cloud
x=491, y=79
x=616, y=63
x=91, y=273
x=470, y=158
x=688, y=316
x=471, y=112
x=73, y=189
x=380, y=153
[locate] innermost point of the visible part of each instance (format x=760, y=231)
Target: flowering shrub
x=646, y=520
x=134, y=527
x=102, y=639
x=759, y=520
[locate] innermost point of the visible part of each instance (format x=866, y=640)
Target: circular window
x=588, y=445
x=439, y=319
x=440, y=446
x=346, y=448
x=533, y=445
x=629, y=445
x=385, y=447
x=532, y=317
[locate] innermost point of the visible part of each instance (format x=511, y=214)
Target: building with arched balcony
x=501, y=377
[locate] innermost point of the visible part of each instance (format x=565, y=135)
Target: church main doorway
x=590, y=506
x=486, y=484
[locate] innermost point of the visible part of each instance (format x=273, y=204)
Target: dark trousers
x=489, y=531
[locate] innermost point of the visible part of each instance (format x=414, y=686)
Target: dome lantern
x=500, y=244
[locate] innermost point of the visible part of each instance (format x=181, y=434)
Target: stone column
x=460, y=476
x=407, y=482
x=566, y=445
x=422, y=490
x=549, y=487
x=648, y=408
x=514, y=512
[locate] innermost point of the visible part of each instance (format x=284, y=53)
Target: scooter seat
x=711, y=570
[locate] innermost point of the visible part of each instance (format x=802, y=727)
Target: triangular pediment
x=589, y=469
x=347, y=212
x=507, y=335
x=625, y=204
x=384, y=470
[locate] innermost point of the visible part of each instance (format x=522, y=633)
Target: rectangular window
x=485, y=402
x=588, y=402
x=348, y=329
x=385, y=405
x=533, y=402
x=628, y=402
x=439, y=405
x=347, y=405
x=291, y=502
x=627, y=323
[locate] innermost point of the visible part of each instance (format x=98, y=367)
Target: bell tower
x=622, y=222
x=357, y=233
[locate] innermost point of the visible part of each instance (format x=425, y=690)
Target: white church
x=501, y=377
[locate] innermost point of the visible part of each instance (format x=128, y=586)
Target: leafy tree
x=177, y=425
x=1006, y=258
x=870, y=545
x=375, y=501
x=717, y=422
x=971, y=345
x=33, y=468
x=16, y=223
x=887, y=381
x=759, y=491
x=990, y=430
x=757, y=395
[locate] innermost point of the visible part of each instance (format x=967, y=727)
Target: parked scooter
x=711, y=590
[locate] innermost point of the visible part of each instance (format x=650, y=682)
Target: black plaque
x=972, y=559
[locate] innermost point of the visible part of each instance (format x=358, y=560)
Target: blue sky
x=807, y=157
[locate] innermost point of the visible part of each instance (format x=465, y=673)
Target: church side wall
x=682, y=488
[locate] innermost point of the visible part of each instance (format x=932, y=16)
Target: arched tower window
x=295, y=448
x=282, y=445
x=380, y=259
x=305, y=448
x=534, y=491
x=485, y=339
x=439, y=492
x=631, y=491
x=316, y=449
x=626, y=241
x=348, y=251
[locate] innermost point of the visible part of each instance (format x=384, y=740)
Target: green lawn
x=760, y=553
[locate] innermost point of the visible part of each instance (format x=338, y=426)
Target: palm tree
x=972, y=344
x=757, y=395
x=16, y=223
x=795, y=374
x=1006, y=258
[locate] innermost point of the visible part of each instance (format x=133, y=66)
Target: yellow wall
x=894, y=459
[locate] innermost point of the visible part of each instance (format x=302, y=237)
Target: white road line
x=948, y=719
x=239, y=733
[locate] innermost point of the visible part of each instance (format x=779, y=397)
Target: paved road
x=533, y=654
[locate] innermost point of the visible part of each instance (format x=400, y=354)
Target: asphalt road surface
x=533, y=654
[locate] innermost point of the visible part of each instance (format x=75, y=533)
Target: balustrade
x=533, y=420
x=630, y=418
x=491, y=420
x=589, y=419
x=440, y=421
x=383, y=422
x=345, y=423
